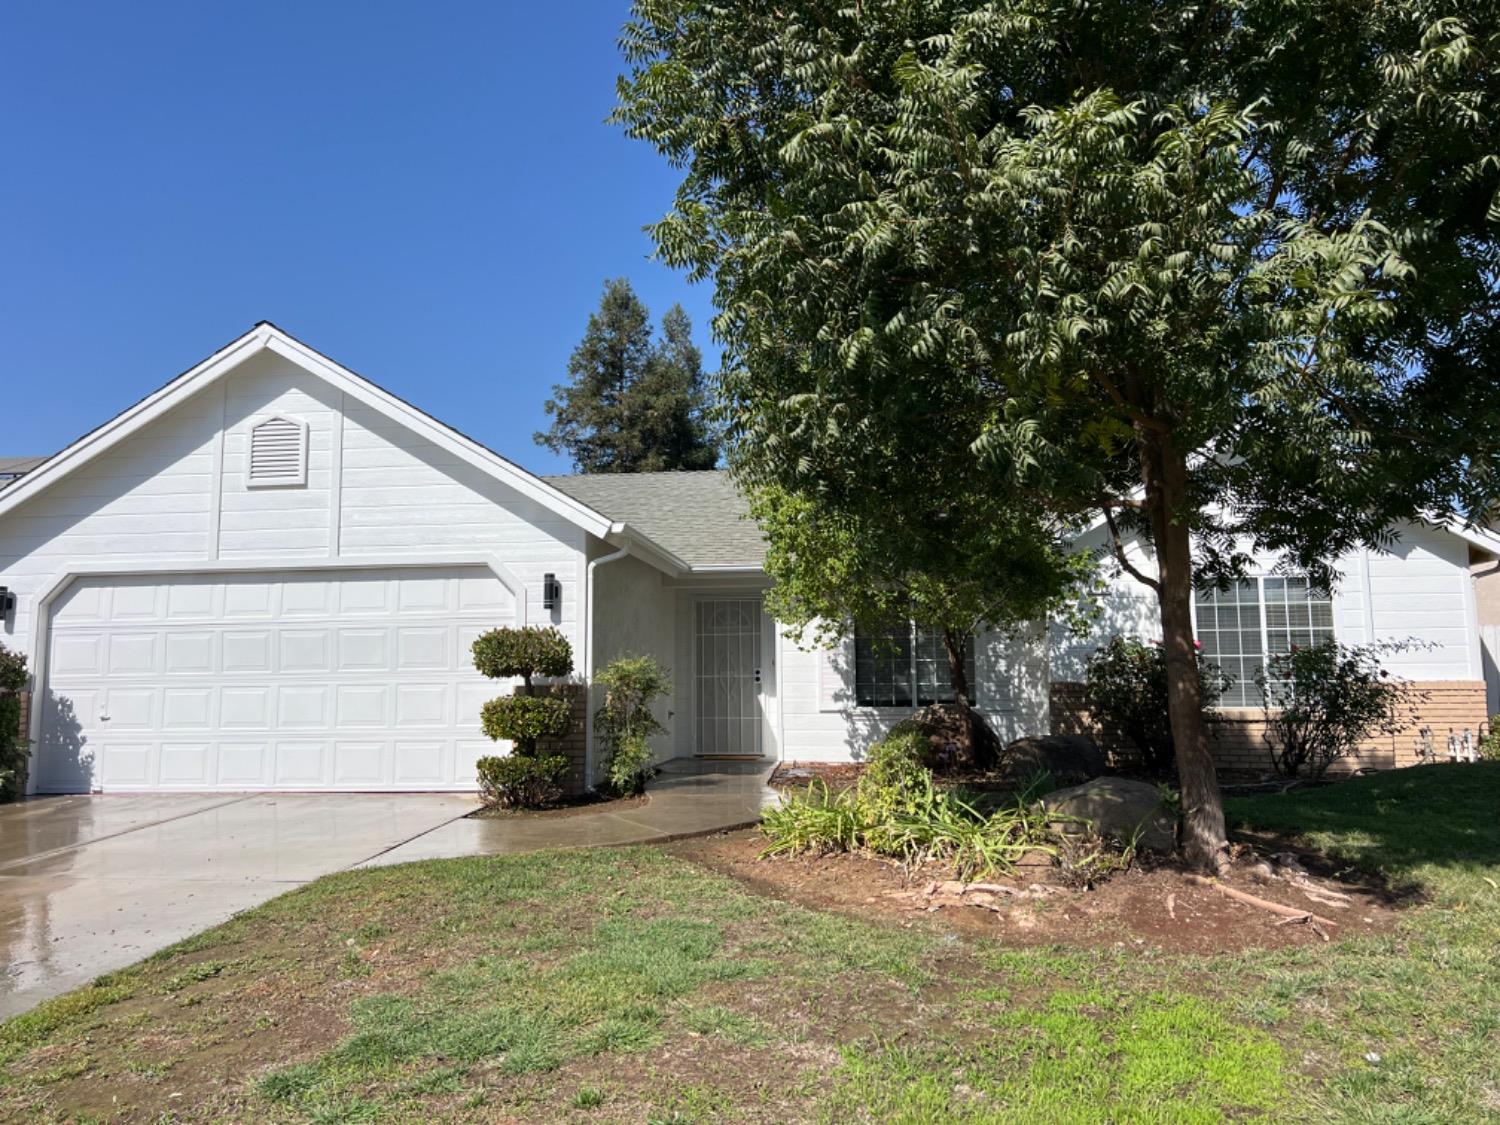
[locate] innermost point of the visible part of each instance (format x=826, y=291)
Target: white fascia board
x=267, y=337
x=128, y=421
x=644, y=548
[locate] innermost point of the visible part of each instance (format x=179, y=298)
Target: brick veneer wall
x=1237, y=741
x=574, y=744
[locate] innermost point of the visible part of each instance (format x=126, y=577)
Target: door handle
x=757, y=675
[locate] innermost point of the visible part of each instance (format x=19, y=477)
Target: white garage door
x=290, y=680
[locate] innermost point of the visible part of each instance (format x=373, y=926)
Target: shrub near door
x=525, y=779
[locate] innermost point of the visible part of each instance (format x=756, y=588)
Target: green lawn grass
x=632, y=985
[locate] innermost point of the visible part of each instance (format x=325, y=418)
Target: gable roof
x=265, y=336
x=697, y=516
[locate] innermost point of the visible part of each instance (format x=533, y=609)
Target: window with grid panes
x=1240, y=626
x=903, y=663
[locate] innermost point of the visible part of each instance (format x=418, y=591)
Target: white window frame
x=916, y=692
x=1265, y=633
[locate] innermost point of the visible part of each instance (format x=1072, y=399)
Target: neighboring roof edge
x=1483, y=538
x=266, y=336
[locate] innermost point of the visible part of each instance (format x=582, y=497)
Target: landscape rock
x=958, y=737
x=1120, y=808
x=1069, y=758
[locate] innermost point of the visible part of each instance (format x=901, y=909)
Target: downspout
x=588, y=662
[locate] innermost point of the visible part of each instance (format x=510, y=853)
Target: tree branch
x=1119, y=547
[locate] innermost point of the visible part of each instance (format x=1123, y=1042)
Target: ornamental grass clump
x=525, y=779
x=897, y=811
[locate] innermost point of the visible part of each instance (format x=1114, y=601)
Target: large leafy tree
x=1223, y=272
x=927, y=546
x=632, y=403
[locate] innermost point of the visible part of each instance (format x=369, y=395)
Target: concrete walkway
x=690, y=797
x=89, y=884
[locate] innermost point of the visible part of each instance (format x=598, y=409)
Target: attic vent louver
x=278, y=453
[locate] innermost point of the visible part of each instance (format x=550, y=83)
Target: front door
x=728, y=675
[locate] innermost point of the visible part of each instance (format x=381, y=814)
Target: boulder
x=958, y=738
x=1069, y=758
x=1119, y=808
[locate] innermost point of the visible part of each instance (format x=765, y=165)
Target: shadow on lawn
x=1444, y=817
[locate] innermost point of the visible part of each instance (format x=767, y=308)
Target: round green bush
x=523, y=719
x=529, y=651
x=894, y=773
x=521, y=782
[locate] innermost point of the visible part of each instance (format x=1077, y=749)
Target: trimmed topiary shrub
x=523, y=719
x=520, y=781
x=526, y=652
x=13, y=745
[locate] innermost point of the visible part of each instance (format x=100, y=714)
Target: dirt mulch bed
x=576, y=806
x=1153, y=904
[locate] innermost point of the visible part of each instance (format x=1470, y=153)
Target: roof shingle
x=698, y=516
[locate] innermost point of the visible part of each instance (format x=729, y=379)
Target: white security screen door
x=728, y=642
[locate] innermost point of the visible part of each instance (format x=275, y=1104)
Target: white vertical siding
x=287, y=522
x=1011, y=690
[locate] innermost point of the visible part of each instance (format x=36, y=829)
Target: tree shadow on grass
x=1407, y=825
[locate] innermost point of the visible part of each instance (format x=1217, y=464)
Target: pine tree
x=633, y=403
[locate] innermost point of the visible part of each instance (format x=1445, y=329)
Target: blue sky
x=426, y=192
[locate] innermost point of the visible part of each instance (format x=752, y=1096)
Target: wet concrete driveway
x=91, y=884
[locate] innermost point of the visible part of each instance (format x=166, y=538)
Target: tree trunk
x=981, y=750
x=1205, y=843
x=958, y=673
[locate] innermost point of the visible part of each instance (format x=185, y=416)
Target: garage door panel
x=297, y=680
x=186, y=765
x=308, y=597
x=247, y=599
x=132, y=654
x=187, y=709
x=81, y=654
x=418, y=649
x=469, y=751
x=188, y=600
x=361, y=705
x=302, y=706
x=242, y=765
x=421, y=705
x=364, y=650
x=128, y=765
x=136, y=601
x=245, y=708
x=423, y=596
x=247, y=651
x=364, y=597
x=421, y=761
x=300, y=764
x=130, y=709
x=305, y=650
x=188, y=654
x=357, y=764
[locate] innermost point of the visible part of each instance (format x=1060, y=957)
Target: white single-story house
x=268, y=573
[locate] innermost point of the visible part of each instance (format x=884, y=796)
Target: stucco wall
x=634, y=615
